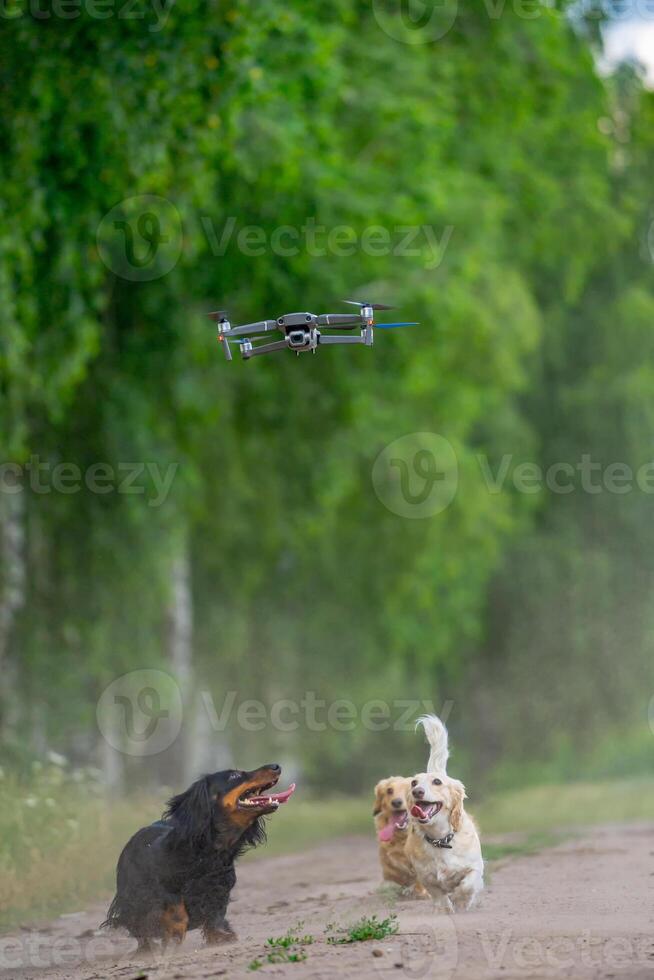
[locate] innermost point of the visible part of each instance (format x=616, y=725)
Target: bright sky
x=630, y=39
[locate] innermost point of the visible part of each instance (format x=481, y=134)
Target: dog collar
x=442, y=841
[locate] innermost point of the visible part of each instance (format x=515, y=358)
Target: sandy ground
x=582, y=909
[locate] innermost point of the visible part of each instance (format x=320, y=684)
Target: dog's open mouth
x=399, y=820
x=258, y=798
x=424, y=811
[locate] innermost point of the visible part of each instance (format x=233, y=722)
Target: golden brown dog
x=391, y=821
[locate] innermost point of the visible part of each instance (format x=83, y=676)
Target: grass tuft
x=361, y=931
x=288, y=940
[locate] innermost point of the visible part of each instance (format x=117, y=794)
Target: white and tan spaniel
x=442, y=841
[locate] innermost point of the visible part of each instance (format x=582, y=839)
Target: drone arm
x=261, y=326
x=341, y=321
x=331, y=339
x=249, y=352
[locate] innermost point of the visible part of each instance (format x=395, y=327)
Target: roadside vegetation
x=60, y=836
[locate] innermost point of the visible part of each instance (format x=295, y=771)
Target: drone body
x=301, y=331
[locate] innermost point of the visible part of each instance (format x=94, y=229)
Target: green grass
x=59, y=841
x=526, y=844
x=363, y=930
x=289, y=939
x=303, y=823
x=60, y=838
x=545, y=809
x=286, y=956
x=288, y=948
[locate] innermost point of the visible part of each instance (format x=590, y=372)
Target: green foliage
x=51, y=819
x=533, y=613
x=288, y=948
x=364, y=929
x=286, y=956
x=289, y=939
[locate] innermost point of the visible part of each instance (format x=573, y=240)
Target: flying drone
x=302, y=332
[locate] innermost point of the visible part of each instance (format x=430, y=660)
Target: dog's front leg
x=440, y=899
x=145, y=946
x=216, y=929
x=467, y=892
x=218, y=933
x=174, y=923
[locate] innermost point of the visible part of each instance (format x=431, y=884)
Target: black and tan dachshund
x=177, y=874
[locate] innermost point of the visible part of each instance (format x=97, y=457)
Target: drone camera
x=297, y=338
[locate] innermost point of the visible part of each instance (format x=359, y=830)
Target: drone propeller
x=372, y=306
x=389, y=326
x=218, y=315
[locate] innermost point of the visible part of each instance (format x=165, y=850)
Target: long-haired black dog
x=177, y=874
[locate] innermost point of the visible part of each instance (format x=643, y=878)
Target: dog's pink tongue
x=417, y=811
x=283, y=797
x=274, y=797
x=386, y=832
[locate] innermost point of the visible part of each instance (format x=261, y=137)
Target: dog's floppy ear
x=191, y=811
x=458, y=791
x=253, y=835
x=376, y=810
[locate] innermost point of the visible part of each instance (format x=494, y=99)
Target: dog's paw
x=146, y=948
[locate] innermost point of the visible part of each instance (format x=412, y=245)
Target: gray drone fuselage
x=301, y=332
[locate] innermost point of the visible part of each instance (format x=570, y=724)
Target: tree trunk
x=180, y=657
x=12, y=561
x=12, y=591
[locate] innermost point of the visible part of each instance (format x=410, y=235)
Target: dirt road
x=582, y=909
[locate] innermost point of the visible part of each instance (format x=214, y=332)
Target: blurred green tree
x=530, y=174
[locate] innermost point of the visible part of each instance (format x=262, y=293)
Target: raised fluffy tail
x=436, y=733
